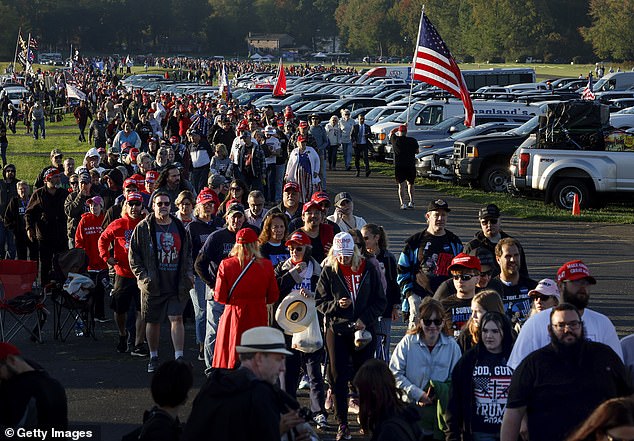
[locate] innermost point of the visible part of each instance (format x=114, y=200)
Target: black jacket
x=370, y=301
x=235, y=405
x=45, y=215
x=480, y=240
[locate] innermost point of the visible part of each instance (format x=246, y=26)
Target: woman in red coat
x=254, y=286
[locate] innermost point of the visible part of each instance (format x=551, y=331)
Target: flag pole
x=28, y=54
x=17, y=44
x=411, y=83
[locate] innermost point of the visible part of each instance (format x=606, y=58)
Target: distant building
x=269, y=43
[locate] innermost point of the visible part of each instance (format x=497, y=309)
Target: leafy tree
x=612, y=30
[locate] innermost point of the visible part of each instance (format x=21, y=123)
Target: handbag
x=343, y=327
x=309, y=340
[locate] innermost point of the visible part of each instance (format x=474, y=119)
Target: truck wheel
x=496, y=178
x=564, y=192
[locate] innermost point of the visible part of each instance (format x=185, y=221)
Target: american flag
x=433, y=64
x=587, y=93
x=494, y=388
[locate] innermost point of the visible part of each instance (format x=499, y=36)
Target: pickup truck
x=483, y=161
x=559, y=174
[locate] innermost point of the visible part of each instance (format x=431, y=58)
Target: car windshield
x=526, y=128
x=628, y=111
x=374, y=113
x=402, y=118
x=447, y=123
x=473, y=131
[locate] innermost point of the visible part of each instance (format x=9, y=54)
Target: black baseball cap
x=438, y=204
x=491, y=211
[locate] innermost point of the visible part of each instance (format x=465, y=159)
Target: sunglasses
x=134, y=204
x=541, y=297
x=428, y=322
x=463, y=277
x=162, y=204
x=298, y=249
x=73, y=182
x=10, y=170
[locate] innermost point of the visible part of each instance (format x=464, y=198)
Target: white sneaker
x=321, y=420
x=304, y=383
x=403, y=207
x=410, y=205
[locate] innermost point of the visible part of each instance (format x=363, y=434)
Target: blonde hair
x=244, y=251
x=331, y=259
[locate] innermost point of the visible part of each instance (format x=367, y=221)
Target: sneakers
x=343, y=432
x=353, y=406
x=304, y=383
x=140, y=351
x=201, y=355
x=321, y=420
x=410, y=204
x=122, y=347
x=153, y=365
x=329, y=404
x=403, y=207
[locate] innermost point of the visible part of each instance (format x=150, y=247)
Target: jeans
x=312, y=367
x=332, y=155
x=82, y=129
x=279, y=181
x=199, y=177
x=271, y=175
x=384, y=328
x=3, y=152
x=347, y=153
x=323, y=163
x=481, y=436
x=198, y=294
x=214, y=311
x=7, y=238
x=39, y=124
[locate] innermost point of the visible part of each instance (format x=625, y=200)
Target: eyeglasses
x=298, y=249
x=134, y=204
x=162, y=204
x=541, y=297
x=486, y=273
x=489, y=221
x=463, y=277
x=428, y=322
x=573, y=325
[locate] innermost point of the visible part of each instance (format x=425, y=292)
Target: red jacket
x=87, y=236
x=119, y=232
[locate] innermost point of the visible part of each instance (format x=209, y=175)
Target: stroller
x=71, y=290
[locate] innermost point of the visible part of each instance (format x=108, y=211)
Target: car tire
x=496, y=179
x=563, y=194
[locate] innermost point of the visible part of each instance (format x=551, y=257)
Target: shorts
x=156, y=308
x=405, y=174
x=125, y=292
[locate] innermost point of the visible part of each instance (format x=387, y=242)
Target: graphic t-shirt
x=169, y=246
x=458, y=311
x=517, y=304
x=276, y=253
x=353, y=278
x=491, y=382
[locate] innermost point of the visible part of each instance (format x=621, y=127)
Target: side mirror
x=453, y=129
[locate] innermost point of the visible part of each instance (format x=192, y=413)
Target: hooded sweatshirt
x=119, y=232
x=87, y=238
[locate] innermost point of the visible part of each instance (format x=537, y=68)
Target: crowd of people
x=195, y=200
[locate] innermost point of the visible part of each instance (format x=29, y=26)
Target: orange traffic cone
x=576, y=210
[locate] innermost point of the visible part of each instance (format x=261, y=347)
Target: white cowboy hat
x=262, y=339
x=295, y=312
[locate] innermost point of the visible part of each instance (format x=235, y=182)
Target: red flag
x=280, y=83
x=433, y=64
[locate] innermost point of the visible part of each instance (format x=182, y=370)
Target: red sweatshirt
x=87, y=236
x=119, y=232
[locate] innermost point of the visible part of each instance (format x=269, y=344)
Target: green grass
x=620, y=213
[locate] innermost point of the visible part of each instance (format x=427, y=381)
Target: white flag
x=74, y=92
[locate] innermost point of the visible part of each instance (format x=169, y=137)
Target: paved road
x=111, y=389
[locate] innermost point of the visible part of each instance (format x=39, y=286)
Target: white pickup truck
x=559, y=174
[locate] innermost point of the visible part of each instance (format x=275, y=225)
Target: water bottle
x=79, y=327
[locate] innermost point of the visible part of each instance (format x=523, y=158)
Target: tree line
x=475, y=30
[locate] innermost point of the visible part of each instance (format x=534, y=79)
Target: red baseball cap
x=151, y=176
x=48, y=174
x=463, y=260
x=298, y=238
x=246, y=235
x=134, y=197
x=133, y=153
x=303, y=124
x=291, y=186
x=7, y=349
x=310, y=204
x=207, y=196
x=320, y=196
x=574, y=270
x=129, y=182
x=301, y=138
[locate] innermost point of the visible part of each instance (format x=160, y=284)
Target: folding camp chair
x=20, y=307
x=72, y=312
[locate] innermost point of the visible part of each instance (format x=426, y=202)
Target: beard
x=579, y=300
x=569, y=351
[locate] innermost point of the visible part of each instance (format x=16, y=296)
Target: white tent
x=256, y=57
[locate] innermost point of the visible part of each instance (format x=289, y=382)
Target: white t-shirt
x=534, y=334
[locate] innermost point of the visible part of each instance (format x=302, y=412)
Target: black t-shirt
x=275, y=253
x=168, y=250
x=491, y=379
x=515, y=298
x=405, y=149
x=560, y=392
x=318, y=252
x=447, y=288
x=458, y=310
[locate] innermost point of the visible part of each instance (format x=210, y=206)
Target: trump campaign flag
x=280, y=83
x=433, y=64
